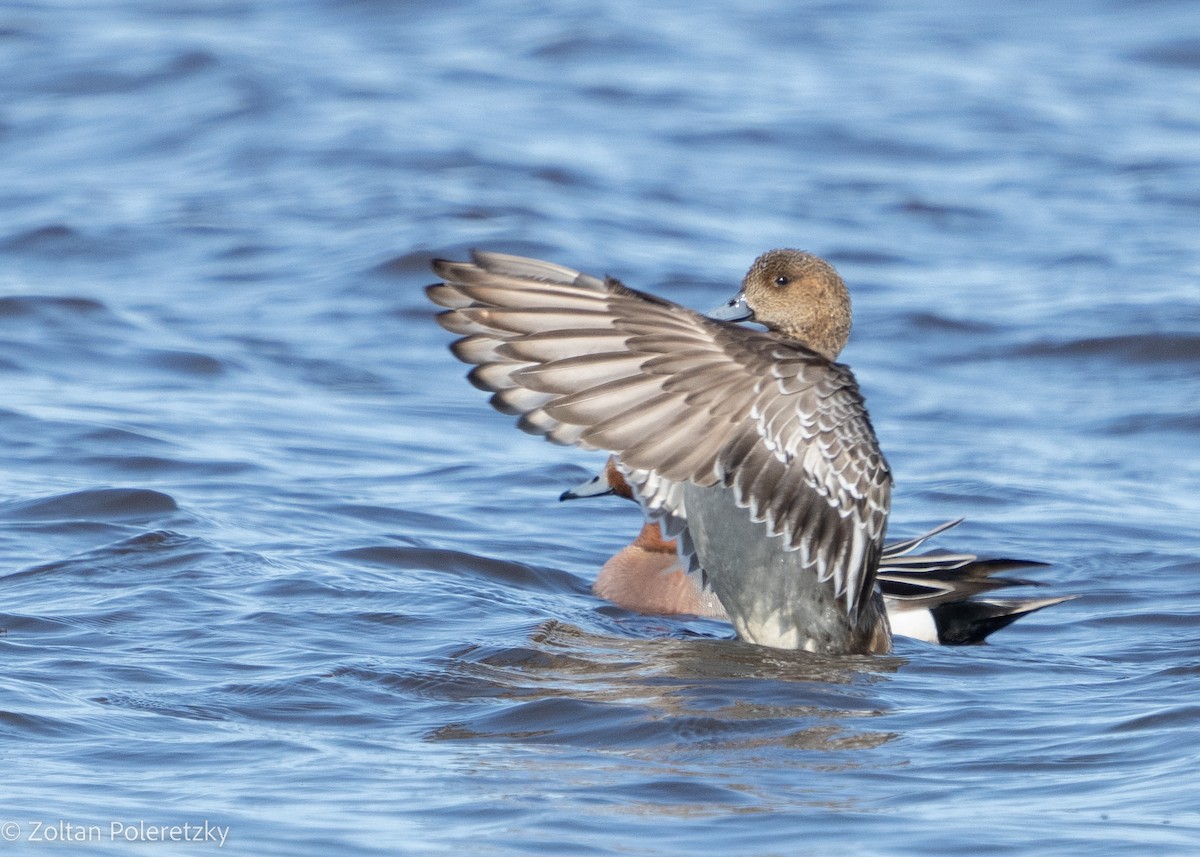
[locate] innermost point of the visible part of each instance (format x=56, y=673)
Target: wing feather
x=679, y=398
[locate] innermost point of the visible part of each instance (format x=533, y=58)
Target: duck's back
x=772, y=597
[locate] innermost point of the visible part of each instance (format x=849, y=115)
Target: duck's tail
x=935, y=596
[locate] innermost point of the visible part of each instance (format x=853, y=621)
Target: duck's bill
x=597, y=486
x=735, y=310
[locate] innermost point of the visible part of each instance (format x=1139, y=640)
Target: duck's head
x=796, y=294
x=609, y=481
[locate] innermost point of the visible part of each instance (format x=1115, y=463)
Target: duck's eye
x=782, y=281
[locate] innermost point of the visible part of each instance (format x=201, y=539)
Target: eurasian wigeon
x=929, y=597
x=752, y=448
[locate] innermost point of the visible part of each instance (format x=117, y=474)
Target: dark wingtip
x=440, y=266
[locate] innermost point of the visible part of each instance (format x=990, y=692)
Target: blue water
x=268, y=562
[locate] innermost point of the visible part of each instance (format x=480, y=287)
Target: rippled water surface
x=267, y=561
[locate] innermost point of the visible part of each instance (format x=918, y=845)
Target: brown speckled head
x=800, y=296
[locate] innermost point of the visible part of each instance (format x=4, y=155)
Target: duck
x=751, y=448
x=929, y=597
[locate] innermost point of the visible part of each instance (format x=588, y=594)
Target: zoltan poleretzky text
x=61, y=830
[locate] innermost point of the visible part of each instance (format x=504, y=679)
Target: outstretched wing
x=679, y=397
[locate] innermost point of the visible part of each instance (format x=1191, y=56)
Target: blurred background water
x=266, y=560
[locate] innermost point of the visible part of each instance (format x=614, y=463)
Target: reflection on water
x=583, y=689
